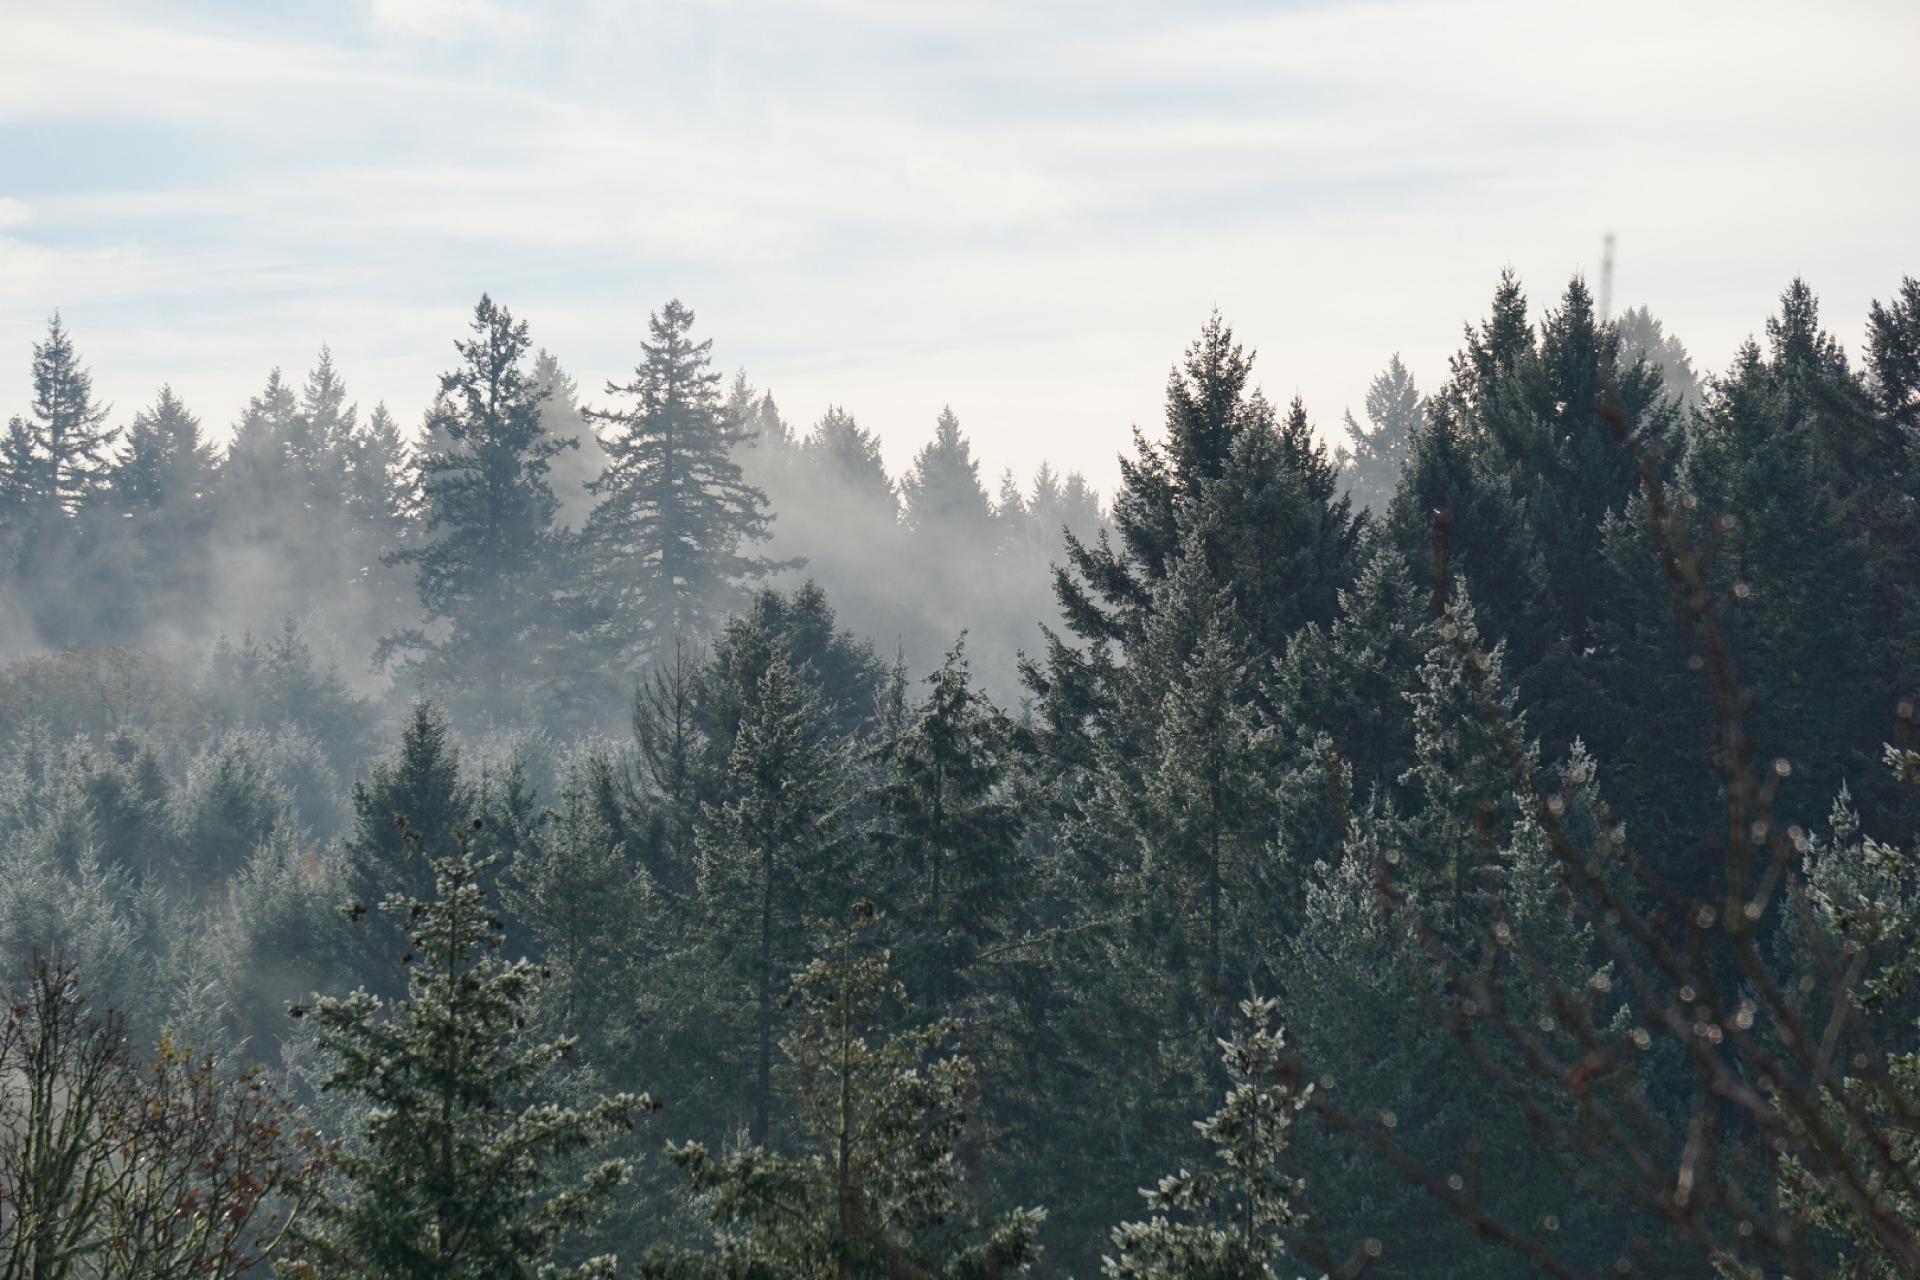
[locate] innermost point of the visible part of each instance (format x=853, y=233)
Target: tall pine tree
x=489, y=555
x=668, y=539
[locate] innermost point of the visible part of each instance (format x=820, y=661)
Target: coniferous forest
x=617, y=831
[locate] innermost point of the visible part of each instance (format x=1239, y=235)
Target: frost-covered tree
x=1231, y=1219
x=461, y=1168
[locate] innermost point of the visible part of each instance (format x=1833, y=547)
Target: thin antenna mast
x=1606, y=277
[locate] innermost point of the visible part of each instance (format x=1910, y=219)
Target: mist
x=900, y=642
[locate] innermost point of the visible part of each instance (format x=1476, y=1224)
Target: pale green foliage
x=1229, y=1220
x=458, y=1172
x=1865, y=900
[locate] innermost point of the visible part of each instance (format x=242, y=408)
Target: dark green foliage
x=458, y=1170
x=1275, y=744
x=949, y=861
x=669, y=536
x=489, y=553
x=767, y=855
x=801, y=624
x=884, y=1180
x=68, y=431
x=419, y=789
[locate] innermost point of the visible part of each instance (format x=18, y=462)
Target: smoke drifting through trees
x=1497, y=818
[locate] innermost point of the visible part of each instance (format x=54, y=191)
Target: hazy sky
x=1022, y=209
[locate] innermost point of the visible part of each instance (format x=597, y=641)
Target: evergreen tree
x=1784, y=559
x=1349, y=681
x=162, y=493
x=1260, y=493
x=1240, y=1211
x=1643, y=337
x=766, y=863
x=673, y=750
x=17, y=486
x=1104, y=590
x=668, y=536
x=1202, y=800
x=164, y=462
x=949, y=832
x=258, y=483
x=379, y=487
x=847, y=457
x=323, y=431
x=843, y=672
x=1893, y=357
x=1468, y=730
x=586, y=909
x=581, y=463
x=458, y=1170
x=69, y=435
x=1280, y=538
x=420, y=789
x=882, y=1184
x=941, y=495
x=489, y=551
x=1378, y=450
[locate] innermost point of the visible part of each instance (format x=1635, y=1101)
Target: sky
x=1023, y=210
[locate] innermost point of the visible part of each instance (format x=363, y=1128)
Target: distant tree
x=489, y=558
x=847, y=457
x=560, y=413
x=258, y=482
x=164, y=463
x=941, y=495
x=280, y=682
x=160, y=515
x=379, y=491
x=1643, y=337
x=68, y=430
x=1376, y=451
x=668, y=538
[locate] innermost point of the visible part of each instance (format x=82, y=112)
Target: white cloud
x=1024, y=213
x=14, y=213
x=449, y=19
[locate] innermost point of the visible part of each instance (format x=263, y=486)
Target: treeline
x=1514, y=878
x=526, y=556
